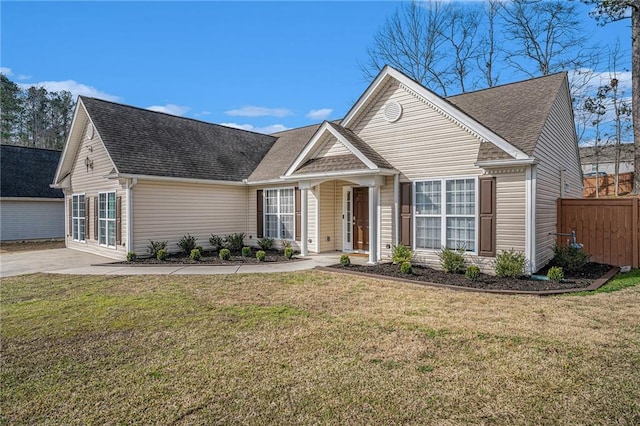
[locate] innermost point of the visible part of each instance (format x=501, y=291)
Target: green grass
x=619, y=282
x=311, y=347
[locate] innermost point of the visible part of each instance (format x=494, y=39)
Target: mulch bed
x=583, y=278
x=211, y=258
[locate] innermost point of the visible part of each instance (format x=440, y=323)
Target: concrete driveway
x=66, y=261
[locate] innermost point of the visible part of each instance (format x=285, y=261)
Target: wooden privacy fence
x=608, y=228
x=607, y=185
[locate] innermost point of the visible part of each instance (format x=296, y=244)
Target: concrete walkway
x=66, y=261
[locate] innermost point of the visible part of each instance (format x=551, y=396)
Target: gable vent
x=392, y=111
x=89, y=131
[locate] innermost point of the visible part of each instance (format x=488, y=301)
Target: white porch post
x=373, y=225
x=304, y=217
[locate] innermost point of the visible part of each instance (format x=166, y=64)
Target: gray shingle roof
x=28, y=172
x=362, y=146
x=144, y=142
x=606, y=154
x=331, y=163
x=516, y=111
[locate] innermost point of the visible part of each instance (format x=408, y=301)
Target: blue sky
x=259, y=65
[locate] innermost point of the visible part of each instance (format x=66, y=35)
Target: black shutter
x=70, y=233
x=487, y=226
x=406, y=208
x=95, y=218
x=118, y=220
x=259, y=216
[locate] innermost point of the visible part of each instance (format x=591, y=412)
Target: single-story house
x=479, y=171
x=603, y=159
x=29, y=208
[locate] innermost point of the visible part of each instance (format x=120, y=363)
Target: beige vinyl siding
x=32, y=219
x=90, y=182
x=330, y=146
x=386, y=218
x=166, y=211
x=328, y=210
x=556, y=150
x=423, y=143
x=312, y=218
x=510, y=211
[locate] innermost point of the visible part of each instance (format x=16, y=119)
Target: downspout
x=129, y=194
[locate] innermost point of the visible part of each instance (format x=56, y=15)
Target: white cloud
x=6, y=71
x=72, y=86
x=23, y=77
x=205, y=112
x=319, y=114
x=267, y=130
x=170, y=109
x=256, y=111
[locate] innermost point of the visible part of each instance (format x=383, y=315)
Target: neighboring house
x=604, y=162
x=481, y=170
x=29, y=208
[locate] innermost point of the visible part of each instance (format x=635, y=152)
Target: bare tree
x=461, y=33
x=546, y=36
x=596, y=108
x=615, y=10
x=488, y=51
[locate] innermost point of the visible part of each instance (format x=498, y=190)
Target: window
x=78, y=217
x=107, y=219
x=279, y=213
x=451, y=225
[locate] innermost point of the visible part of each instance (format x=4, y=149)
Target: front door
x=361, y=219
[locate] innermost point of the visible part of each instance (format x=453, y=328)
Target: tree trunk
x=635, y=90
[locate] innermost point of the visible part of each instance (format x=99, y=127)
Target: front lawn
x=311, y=347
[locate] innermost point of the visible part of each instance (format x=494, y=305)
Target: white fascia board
x=31, y=199
x=307, y=149
x=173, y=179
x=439, y=104
x=63, y=183
x=506, y=163
x=383, y=172
x=65, y=150
x=352, y=148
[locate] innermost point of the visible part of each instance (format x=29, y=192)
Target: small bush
x=217, y=242
x=187, y=243
x=401, y=253
x=345, y=260
x=261, y=255
x=195, y=254
x=246, y=251
x=288, y=252
x=406, y=268
x=225, y=254
x=200, y=249
x=162, y=254
x=265, y=243
x=555, y=273
x=510, y=264
x=570, y=259
x=131, y=256
x=472, y=272
x=234, y=242
x=452, y=260
x=155, y=246
x=286, y=243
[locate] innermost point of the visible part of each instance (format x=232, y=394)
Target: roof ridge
x=31, y=147
x=172, y=115
x=508, y=84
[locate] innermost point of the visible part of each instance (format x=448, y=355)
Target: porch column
x=304, y=214
x=373, y=225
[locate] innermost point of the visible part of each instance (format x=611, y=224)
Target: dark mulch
x=583, y=278
x=211, y=258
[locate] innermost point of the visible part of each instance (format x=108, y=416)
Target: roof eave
x=337, y=174
x=115, y=175
x=489, y=164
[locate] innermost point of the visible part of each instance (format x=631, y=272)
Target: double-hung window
x=78, y=217
x=107, y=219
x=445, y=214
x=279, y=213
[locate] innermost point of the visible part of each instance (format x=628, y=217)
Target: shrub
x=510, y=264
x=162, y=254
x=265, y=243
x=451, y=260
x=225, y=254
x=401, y=253
x=472, y=272
x=406, y=268
x=187, y=243
x=234, y=242
x=286, y=243
x=555, y=273
x=131, y=256
x=288, y=252
x=200, y=249
x=216, y=241
x=570, y=259
x=195, y=254
x=261, y=255
x=345, y=260
x=246, y=251
x=155, y=246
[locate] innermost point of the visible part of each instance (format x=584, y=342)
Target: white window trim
x=264, y=212
x=106, y=219
x=347, y=222
x=74, y=218
x=443, y=215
